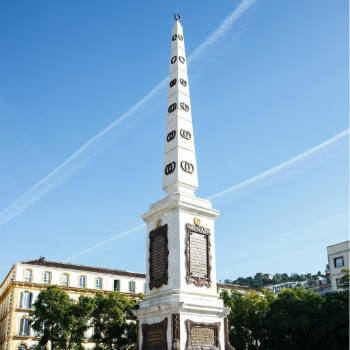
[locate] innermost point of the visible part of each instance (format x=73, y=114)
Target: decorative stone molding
x=191, y=277
x=228, y=346
x=175, y=318
x=194, y=343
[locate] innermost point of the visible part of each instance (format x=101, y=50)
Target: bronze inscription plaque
x=198, y=254
x=154, y=336
x=202, y=336
x=158, y=257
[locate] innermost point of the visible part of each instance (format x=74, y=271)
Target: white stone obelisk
x=181, y=309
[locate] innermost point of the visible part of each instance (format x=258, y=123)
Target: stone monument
x=181, y=309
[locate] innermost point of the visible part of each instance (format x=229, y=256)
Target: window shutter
x=21, y=326
x=21, y=300
x=30, y=299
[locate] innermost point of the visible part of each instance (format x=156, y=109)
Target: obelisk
x=181, y=309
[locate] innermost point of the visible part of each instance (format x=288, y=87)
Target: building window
x=65, y=280
x=98, y=283
x=26, y=300
x=22, y=347
x=116, y=286
x=27, y=275
x=24, y=327
x=82, y=281
x=339, y=262
x=47, y=277
x=132, y=286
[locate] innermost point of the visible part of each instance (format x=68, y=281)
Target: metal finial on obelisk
x=177, y=17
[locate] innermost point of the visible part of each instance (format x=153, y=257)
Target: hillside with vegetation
x=261, y=280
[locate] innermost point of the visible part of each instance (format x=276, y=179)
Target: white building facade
x=25, y=280
x=338, y=259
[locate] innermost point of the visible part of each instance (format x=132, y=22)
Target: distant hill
x=261, y=280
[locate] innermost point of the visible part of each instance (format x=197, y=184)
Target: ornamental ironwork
x=185, y=134
x=172, y=83
x=181, y=59
x=183, y=82
x=172, y=108
x=174, y=37
x=170, y=168
x=173, y=59
x=180, y=37
x=171, y=135
x=187, y=167
x=184, y=106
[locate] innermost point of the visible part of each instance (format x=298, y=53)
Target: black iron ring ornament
x=170, y=168
x=174, y=37
x=177, y=17
x=185, y=134
x=172, y=83
x=173, y=59
x=171, y=135
x=184, y=106
x=183, y=82
x=187, y=167
x=172, y=108
x=180, y=37
x=181, y=59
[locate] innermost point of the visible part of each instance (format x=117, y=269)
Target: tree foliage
x=112, y=321
x=59, y=319
x=62, y=322
x=292, y=320
x=261, y=280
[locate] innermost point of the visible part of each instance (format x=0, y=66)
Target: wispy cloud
x=73, y=162
x=255, y=179
x=108, y=240
x=268, y=173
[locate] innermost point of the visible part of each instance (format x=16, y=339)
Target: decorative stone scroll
x=158, y=257
x=202, y=336
x=175, y=319
x=155, y=336
x=198, y=255
x=228, y=346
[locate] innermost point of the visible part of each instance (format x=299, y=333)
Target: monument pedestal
x=181, y=309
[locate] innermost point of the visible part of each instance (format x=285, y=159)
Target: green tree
x=344, y=281
x=60, y=320
x=291, y=320
x=246, y=318
x=112, y=321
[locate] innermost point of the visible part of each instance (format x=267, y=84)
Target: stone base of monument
x=183, y=325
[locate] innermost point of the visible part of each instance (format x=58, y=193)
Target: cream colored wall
x=335, y=251
x=56, y=274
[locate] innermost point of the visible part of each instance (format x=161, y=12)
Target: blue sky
x=273, y=86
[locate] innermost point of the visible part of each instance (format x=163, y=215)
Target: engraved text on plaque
x=158, y=257
x=198, y=255
x=202, y=336
x=155, y=336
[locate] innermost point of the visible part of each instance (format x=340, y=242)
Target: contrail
x=119, y=235
x=278, y=168
x=62, y=171
x=248, y=182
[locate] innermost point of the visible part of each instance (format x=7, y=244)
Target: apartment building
x=338, y=259
x=26, y=279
